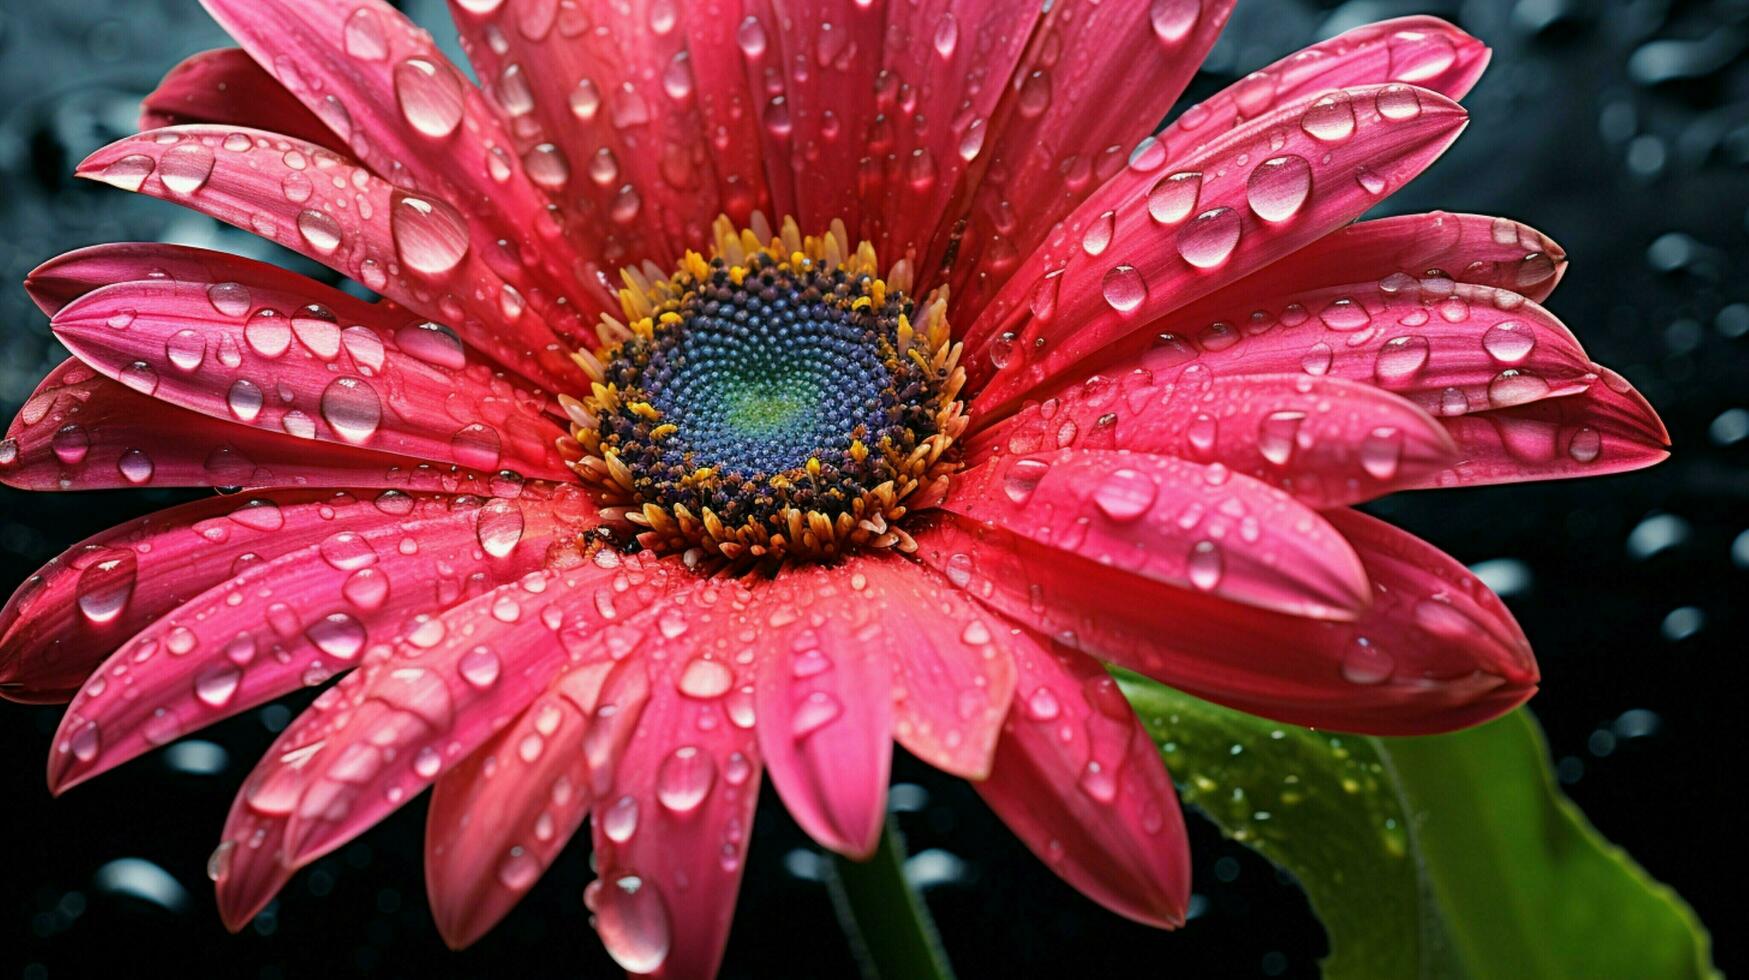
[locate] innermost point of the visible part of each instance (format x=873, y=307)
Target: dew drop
x=1278, y=188
x=1174, y=197
x=1330, y=119
x=1205, y=565
x=430, y=96
x=633, y=923
x=685, y=779
x=352, y=409
x=1209, y=239
x=1125, y=494
x=430, y=237
x=185, y=169
x=1124, y=289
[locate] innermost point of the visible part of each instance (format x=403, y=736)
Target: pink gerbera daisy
x=624, y=494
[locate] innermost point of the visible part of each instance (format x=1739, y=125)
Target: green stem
x=888, y=924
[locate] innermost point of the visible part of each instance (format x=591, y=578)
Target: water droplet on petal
x=1124, y=289
x=1330, y=119
x=1278, y=188
x=352, y=408
x=1125, y=494
x=185, y=169
x=1209, y=239
x=430, y=237
x=633, y=923
x=430, y=96
x=685, y=779
x=1364, y=663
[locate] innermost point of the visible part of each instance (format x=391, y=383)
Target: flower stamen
x=775, y=401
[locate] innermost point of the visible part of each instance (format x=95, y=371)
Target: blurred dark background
x=1619, y=127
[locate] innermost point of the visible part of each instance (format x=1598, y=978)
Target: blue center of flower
x=776, y=407
x=760, y=380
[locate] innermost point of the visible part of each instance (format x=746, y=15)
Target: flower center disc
x=777, y=401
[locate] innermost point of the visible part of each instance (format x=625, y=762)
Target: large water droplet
x=185, y=169
x=1125, y=494
x=430, y=96
x=1209, y=239
x=1174, y=197
x=1330, y=119
x=105, y=585
x=685, y=779
x=352, y=408
x=500, y=527
x=633, y=923
x=1124, y=289
x=430, y=237
x=1278, y=188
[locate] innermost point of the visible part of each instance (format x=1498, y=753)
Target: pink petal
x=368, y=744
x=732, y=56
x=1048, y=150
x=828, y=106
x=1078, y=779
x=82, y=431
x=225, y=87
x=604, y=111
x=499, y=818
x=67, y=617
x=1423, y=51
x=1436, y=651
x=70, y=275
x=1450, y=348
x=1201, y=528
x=1150, y=242
x=1468, y=248
x=824, y=702
x=1327, y=441
x=312, y=362
x=346, y=575
x=671, y=835
x=1607, y=428
x=379, y=83
x=411, y=247
x=960, y=54
x=492, y=834
x=954, y=667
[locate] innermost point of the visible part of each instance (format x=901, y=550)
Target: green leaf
x=1450, y=856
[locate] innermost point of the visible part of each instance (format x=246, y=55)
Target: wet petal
x=824, y=703
x=1426, y=52
x=1436, y=651
x=605, y=113
x=1078, y=779
x=1468, y=248
x=312, y=362
x=1326, y=441
x=671, y=835
x=953, y=664
x=1607, y=428
x=964, y=55
x=225, y=87
x=82, y=431
x=1047, y=153
x=1201, y=528
x=367, y=745
x=379, y=82
x=1450, y=348
x=412, y=247
x=500, y=818
x=1148, y=244
x=358, y=574
x=67, y=617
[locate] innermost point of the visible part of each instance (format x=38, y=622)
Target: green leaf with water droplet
x=1450, y=856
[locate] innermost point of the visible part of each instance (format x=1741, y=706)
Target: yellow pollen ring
x=918, y=474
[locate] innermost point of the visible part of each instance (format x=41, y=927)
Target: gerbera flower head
x=749, y=387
